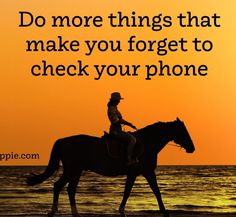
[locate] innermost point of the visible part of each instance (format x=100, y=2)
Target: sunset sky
x=36, y=111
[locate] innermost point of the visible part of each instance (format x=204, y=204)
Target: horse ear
x=177, y=119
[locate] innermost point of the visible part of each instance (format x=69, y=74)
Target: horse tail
x=52, y=166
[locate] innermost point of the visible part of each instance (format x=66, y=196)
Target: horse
x=83, y=152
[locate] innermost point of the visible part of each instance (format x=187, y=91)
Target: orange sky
x=35, y=111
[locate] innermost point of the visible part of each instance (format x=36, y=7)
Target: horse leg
x=128, y=187
x=71, y=192
x=151, y=178
x=58, y=186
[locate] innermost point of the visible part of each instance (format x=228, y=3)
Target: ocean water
x=187, y=188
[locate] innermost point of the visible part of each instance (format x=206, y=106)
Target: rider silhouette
x=117, y=121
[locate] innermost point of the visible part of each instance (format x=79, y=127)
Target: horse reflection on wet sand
x=83, y=152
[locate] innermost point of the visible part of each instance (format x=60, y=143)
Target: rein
x=173, y=144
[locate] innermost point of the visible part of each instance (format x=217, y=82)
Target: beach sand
x=139, y=214
x=172, y=215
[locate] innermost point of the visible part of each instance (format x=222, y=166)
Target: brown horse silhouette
x=83, y=152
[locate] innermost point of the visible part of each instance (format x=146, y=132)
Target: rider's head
x=115, y=98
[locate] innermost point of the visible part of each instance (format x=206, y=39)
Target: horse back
x=90, y=153
x=81, y=145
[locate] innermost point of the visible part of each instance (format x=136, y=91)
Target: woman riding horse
x=75, y=154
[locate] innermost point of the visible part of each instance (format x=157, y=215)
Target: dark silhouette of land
x=83, y=152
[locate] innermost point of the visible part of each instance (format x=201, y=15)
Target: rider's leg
x=131, y=141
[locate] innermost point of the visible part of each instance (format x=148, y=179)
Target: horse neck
x=157, y=136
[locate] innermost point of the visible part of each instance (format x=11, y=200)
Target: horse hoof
x=121, y=209
x=166, y=215
x=122, y=214
x=51, y=214
x=76, y=214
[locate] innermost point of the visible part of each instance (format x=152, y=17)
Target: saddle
x=118, y=149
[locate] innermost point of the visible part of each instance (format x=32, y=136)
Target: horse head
x=182, y=137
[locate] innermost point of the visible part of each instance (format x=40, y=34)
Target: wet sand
x=172, y=215
x=138, y=214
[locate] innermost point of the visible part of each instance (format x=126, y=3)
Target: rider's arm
x=112, y=114
x=122, y=121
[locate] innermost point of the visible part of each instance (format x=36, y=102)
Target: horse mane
x=154, y=128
